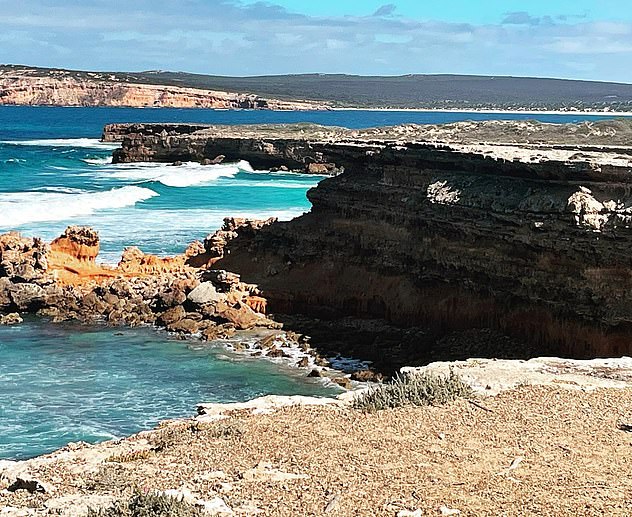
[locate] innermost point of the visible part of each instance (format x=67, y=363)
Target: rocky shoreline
x=434, y=233
x=544, y=423
x=184, y=295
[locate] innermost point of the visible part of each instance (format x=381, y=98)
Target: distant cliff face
x=18, y=89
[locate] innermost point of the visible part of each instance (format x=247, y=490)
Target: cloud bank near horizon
x=231, y=37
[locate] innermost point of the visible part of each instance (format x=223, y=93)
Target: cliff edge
x=435, y=230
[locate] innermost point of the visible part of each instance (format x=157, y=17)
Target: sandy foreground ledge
x=551, y=442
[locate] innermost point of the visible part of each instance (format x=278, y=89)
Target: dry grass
x=535, y=451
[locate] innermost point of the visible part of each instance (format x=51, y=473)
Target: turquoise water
x=62, y=383
x=67, y=178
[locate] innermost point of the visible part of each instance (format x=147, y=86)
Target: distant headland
x=26, y=85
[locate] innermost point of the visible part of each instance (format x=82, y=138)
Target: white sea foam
x=98, y=161
x=185, y=175
x=269, y=184
x=91, y=143
x=28, y=207
x=62, y=190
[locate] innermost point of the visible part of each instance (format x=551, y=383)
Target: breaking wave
x=27, y=207
x=98, y=161
x=185, y=175
x=90, y=143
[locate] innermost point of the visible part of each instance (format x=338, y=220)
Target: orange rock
x=79, y=242
x=257, y=303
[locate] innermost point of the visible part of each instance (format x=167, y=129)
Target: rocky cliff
x=531, y=240
x=22, y=87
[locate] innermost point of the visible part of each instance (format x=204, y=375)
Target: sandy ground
x=531, y=451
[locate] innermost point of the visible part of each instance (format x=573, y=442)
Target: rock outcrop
x=529, y=239
x=63, y=281
x=78, y=242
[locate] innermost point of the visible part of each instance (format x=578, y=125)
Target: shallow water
x=64, y=382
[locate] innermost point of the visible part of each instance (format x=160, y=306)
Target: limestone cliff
x=18, y=87
x=530, y=240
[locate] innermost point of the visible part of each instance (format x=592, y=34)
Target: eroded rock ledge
x=184, y=294
x=527, y=233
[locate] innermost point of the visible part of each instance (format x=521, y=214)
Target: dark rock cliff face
x=452, y=241
x=443, y=239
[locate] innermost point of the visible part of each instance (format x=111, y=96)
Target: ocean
x=62, y=383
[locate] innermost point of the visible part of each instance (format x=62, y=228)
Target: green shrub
x=415, y=389
x=148, y=505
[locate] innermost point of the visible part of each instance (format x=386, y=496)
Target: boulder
x=205, y=293
x=343, y=382
x=367, y=376
x=186, y=326
x=10, y=319
x=320, y=168
x=27, y=296
x=225, y=279
x=242, y=316
x=131, y=254
x=172, y=297
x=172, y=315
x=22, y=259
x=276, y=352
x=215, y=161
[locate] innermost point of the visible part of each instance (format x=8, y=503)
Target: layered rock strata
x=532, y=240
x=22, y=89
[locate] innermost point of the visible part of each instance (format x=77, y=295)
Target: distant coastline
x=28, y=86
x=495, y=111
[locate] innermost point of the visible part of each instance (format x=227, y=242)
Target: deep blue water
x=20, y=122
x=61, y=383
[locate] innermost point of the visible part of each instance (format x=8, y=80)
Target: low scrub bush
x=148, y=505
x=413, y=389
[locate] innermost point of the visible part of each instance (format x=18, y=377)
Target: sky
x=578, y=39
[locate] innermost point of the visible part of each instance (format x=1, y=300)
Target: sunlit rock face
x=22, y=89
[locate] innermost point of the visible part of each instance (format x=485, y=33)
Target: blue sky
x=584, y=39
x=468, y=11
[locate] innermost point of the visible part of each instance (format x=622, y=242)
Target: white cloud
x=230, y=37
